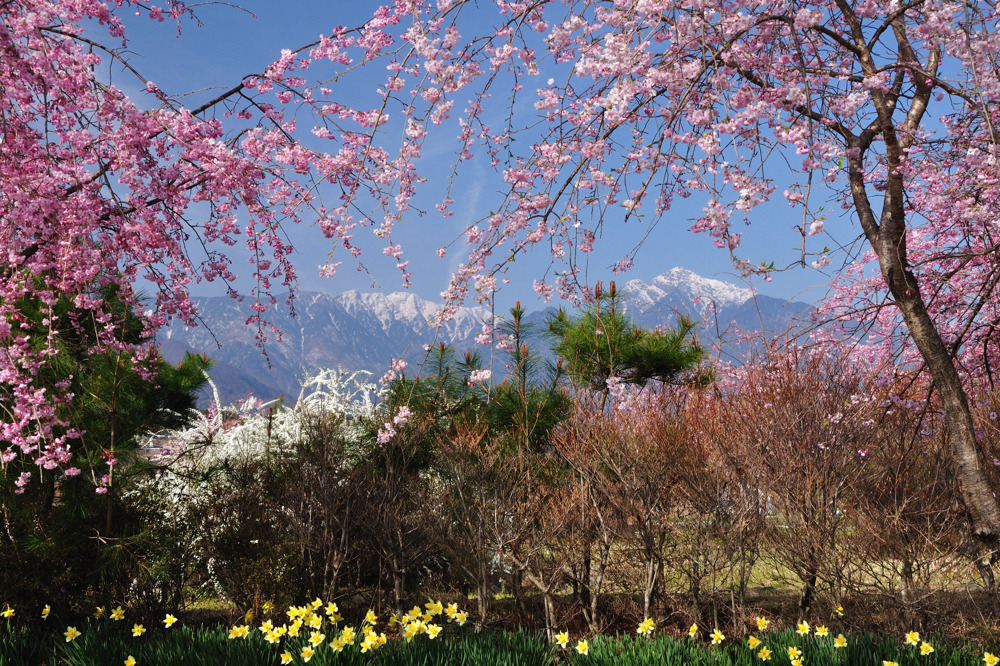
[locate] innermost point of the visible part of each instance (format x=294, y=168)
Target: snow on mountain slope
x=683, y=289
x=413, y=312
x=356, y=330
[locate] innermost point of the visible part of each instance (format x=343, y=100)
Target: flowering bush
x=242, y=492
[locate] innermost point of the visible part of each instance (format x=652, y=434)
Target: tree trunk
x=887, y=236
x=977, y=496
x=482, y=590
x=647, y=594
x=398, y=583
x=550, y=615
x=809, y=585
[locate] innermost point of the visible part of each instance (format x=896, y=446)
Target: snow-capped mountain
x=412, y=312
x=353, y=331
x=365, y=331
x=685, y=288
x=716, y=305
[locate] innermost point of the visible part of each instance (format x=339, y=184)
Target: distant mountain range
x=355, y=330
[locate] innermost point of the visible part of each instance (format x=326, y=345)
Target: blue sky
x=231, y=43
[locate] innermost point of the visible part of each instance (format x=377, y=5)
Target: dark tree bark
x=887, y=235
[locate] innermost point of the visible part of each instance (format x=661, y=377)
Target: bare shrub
x=629, y=462
x=399, y=521
x=586, y=443
x=320, y=501
x=799, y=418
x=533, y=526
x=721, y=486
x=478, y=483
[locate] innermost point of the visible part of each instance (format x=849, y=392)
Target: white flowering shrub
x=240, y=495
x=254, y=430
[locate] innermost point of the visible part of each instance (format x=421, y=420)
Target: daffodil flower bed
x=317, y=634
x=821, y=646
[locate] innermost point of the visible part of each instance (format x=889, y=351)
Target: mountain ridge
x=357, y=330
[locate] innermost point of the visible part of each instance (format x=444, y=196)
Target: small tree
x=602, y=343
x=109, y=401
x=526, y=406
x=798, y=419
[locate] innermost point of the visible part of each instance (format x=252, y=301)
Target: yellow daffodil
x=433, y=630
x=913, y=638
x=293, y=629
x=332, y=609
x=434, y=607
x=99, y=612
x=8, y=612
x=717, y=637
x=753, y=642
x=347, y=635
x=451, y=609
x=412, y=629
x=118, y=614
x=272, y=637
x=427, y=617
x=138, y=630
x=839, y=610
x=71, y=633
x=762, y=623
x=130, y=661
x=266, y=627
x=393, y=619
x=315, y=622
x=794, y=652
x=803, y=628
x=990, y=659
x=317, y=603
x=169, y=620
x=267, y=607
x=307, y=653
x=562, y=639
x=286, y=657
x=889, y=663
x=840, y=641
x=371, y=617
x=822, y=631
x=239, y=631
x=646, y=627
x=316, y=638
x=693, y=630
x=337, y=645
x=764, y=654
x=926, y=648
x=582, y=647
x=46, y=611
x=461, y=617
x=797, y=662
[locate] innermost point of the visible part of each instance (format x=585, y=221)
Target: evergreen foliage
x=602, y=342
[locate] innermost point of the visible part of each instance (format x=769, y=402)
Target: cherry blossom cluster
x=588, y=113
